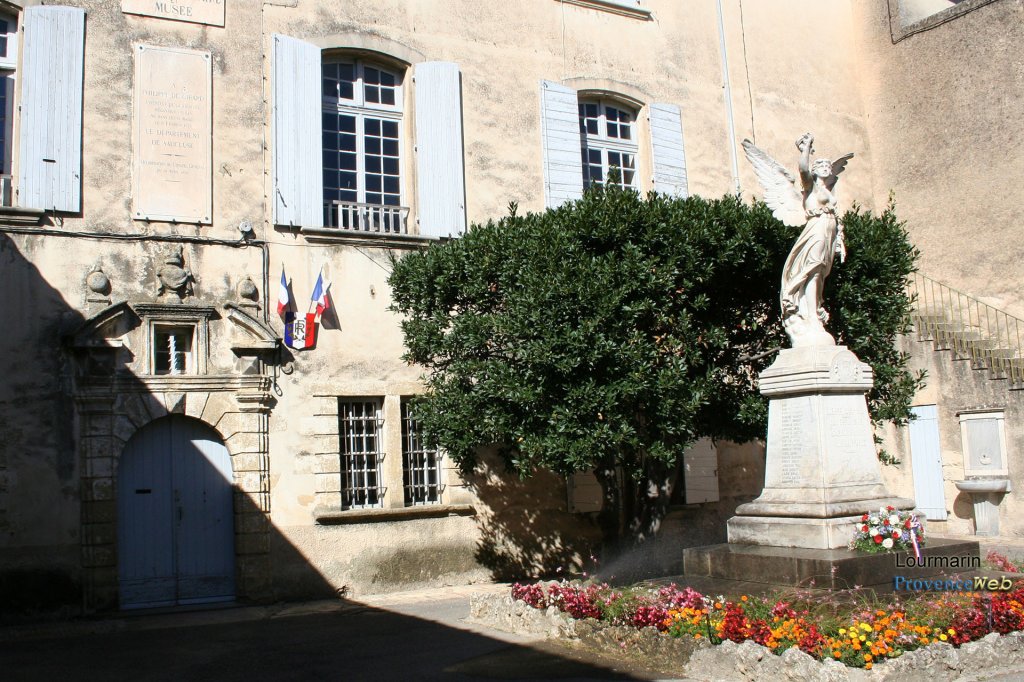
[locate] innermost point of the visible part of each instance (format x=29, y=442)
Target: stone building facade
x=166, y=165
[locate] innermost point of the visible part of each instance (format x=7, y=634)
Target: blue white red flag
x=319, y=297
x=300, y=331
x=282, y=294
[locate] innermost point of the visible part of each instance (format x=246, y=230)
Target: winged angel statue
x=810, y=260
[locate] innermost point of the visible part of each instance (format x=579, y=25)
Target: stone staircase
x=990, y=339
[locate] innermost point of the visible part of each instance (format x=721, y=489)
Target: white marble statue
x=810, y=260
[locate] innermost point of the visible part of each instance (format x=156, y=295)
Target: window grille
x=360, y=427
x=172, y=350
x=421, y=467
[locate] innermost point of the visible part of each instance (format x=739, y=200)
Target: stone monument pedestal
x=822, y=473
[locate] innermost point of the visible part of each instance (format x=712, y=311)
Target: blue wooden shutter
x=560, y=136
x=926, y=461
x=50, y=161
x=441, y=186
x=297, y=155
x=667, y=154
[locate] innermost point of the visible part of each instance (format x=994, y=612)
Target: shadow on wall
x=38, y=467
x=525, y=527
x=65, y=513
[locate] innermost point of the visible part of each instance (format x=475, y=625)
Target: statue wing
x=780, y=190
x=838, y=166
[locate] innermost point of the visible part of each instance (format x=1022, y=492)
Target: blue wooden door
x=175, y=516
x=926, y=458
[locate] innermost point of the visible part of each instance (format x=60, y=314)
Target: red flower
x=891, y=508
x=907, y=524
x=864, y=518
x=896, y=535
x=878, y=539
x=864, y=528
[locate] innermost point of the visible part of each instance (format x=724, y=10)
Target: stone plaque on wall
x=196, y=11
x=173, y=166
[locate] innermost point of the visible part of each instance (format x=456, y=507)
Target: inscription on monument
x=173, y=132
x=845, y=428
x=209, y=12
x=789, y=438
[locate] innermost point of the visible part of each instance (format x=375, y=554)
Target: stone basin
x=984, y=485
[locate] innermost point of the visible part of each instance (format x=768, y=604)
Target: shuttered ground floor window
x=360, y=425
x=421, y=466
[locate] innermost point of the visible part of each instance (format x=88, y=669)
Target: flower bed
x=845, y=627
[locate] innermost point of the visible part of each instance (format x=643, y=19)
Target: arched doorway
x=175, y=517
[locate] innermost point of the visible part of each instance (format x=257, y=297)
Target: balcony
x=366, y=218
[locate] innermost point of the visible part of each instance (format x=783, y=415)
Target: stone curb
x=729, y=662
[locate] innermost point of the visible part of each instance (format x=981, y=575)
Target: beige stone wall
x=942, y=108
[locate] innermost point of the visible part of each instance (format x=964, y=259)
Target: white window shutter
x=297, y=156
x=441, y=187
x=667, y=154
x=50, y=160
x=560, y=136
x=700, y=472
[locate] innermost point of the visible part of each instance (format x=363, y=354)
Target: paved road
x=417, y=636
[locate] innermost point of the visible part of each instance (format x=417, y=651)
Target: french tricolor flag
x=282, y=294
x=319, y=297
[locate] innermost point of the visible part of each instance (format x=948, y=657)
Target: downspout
x=727, y=88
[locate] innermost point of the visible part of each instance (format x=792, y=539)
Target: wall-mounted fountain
x=986, y=478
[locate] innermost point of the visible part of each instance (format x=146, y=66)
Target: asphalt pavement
x=419, y=635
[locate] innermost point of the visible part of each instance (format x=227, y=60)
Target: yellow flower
x=862, y=638
x=943, y=637
x=951, y=631
x=842, y=631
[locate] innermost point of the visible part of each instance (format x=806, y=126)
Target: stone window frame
x=164, y=315
x=966, y=417
x=328, y=474
x=604, y=143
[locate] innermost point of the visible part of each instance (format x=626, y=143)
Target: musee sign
x=209, y=12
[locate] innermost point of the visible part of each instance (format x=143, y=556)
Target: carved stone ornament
x=173, y=276
x=247, y=290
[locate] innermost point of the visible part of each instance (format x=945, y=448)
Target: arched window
x=362, y=143
x=608, y=139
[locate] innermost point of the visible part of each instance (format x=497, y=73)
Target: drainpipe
x=727, y=94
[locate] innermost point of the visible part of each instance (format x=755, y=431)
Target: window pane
x=391, y=147
x=373, y=183
x=347, y=124
x=372, y=126
x=390, y=128
x=391, y=166
x=347, y=143
x=330, y=122
x=373, y=164
x=347, y=161
x=372, y=94
x=371, y=76
x=391, y=185
x=372, y=145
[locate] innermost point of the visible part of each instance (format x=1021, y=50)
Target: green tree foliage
x=616, y=330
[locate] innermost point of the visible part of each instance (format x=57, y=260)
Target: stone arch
x=111, y=411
